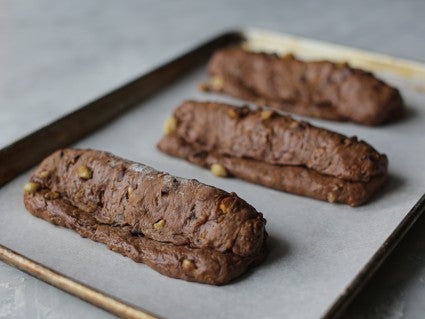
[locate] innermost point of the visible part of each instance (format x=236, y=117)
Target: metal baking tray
x=321, y=254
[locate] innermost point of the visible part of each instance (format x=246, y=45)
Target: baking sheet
x=316, y=248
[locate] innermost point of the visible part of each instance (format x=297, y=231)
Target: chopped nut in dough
x=84, y=172
x=188, y=265
x=159, y=224
x=265, y=115
x=233, y=114
x=218, y=170
x=170, y=125
x=31, y=187
x=217, y=82
x=52, y=195
x=331, y=198
x=44, y=174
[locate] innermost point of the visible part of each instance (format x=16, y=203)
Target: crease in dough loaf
x=277, y=151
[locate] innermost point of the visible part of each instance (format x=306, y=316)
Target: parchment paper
x=316, y=248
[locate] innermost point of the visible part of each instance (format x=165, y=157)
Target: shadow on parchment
x=409, y=114
x=276, y=250
x=393, y=184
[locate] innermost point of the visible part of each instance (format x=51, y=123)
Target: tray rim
x=373, y=61
x=360, y=58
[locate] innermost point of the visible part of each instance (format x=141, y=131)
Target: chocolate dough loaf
x=276, y=151
x=181, y=228
x=319, y=89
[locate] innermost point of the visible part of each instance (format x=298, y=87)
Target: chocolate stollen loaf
x=275, y=151
x=179, y=227
x=319, y=89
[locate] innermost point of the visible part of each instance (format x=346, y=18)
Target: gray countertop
x=57, y=55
